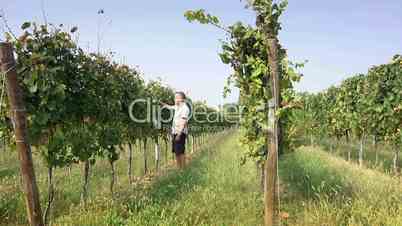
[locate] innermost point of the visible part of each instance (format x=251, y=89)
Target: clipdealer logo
x=146, y=110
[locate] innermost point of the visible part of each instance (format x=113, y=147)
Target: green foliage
x=78, y=103
x=363, y=105
x=269, y=13
x=72, y=97
x=25, y=25
x=245, y=50
x=201, y=16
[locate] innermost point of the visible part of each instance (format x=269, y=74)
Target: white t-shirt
x=181, y=112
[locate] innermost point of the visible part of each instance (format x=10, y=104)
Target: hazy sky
x=339, y=38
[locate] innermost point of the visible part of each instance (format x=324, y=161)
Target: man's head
x=179, y=98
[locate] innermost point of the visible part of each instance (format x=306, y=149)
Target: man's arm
x=171, y=107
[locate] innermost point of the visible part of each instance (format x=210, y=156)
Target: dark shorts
x=179, y=146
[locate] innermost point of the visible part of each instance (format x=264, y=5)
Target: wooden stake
x=15, y=98
x=271, y=194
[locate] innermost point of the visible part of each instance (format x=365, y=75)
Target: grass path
x=317, y=189
x=325, y=190
x=213, y=190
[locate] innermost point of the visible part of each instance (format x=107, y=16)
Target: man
x=179, y=128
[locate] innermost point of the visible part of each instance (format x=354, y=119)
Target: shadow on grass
x=311, y=176
x=7, y=173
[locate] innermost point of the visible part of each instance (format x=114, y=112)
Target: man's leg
x=183, y=156
x=183, y=160
x=174, y=150
x=180, y=165
x=178, y=161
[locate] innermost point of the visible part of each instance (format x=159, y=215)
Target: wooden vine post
x=271, y=192
x=17, y=108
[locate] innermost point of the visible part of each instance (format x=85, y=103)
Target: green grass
x=325, y=190
x=68, y=186
x=213, y=190
x=385, y=153
x=317, y=189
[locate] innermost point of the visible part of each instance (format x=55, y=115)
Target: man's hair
x=181, y=94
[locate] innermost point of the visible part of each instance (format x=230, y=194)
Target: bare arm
x=166, y=105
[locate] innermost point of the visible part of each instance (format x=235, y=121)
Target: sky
x=338, y=38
